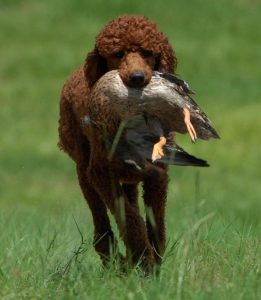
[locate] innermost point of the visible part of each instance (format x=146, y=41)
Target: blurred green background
x=218, y=45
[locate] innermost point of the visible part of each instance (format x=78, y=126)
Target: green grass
x=213, y=215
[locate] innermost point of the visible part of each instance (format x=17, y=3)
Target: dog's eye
x=146, y=53
x=119, y=54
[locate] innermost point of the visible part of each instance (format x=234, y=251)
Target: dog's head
x=133, y=45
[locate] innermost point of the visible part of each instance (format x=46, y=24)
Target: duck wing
x=142, y=136
x=182, y=83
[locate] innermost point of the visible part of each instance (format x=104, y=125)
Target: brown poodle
x=133, y=45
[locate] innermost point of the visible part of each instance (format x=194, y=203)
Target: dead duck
x=151, y=115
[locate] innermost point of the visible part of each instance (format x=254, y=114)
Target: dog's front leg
x=155, y=197
x=130, y=223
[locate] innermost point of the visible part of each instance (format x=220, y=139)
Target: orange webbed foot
x=190, y=127
x=157, y=152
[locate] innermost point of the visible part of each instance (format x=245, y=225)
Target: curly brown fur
x=133, y=45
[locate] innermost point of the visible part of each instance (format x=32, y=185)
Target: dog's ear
x=166, y=61
x=95, y=67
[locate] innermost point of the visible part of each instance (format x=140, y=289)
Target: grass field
x=213, y=215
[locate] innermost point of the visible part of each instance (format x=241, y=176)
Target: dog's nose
x=137, y=78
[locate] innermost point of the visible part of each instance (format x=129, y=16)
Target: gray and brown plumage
x=150, y=113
